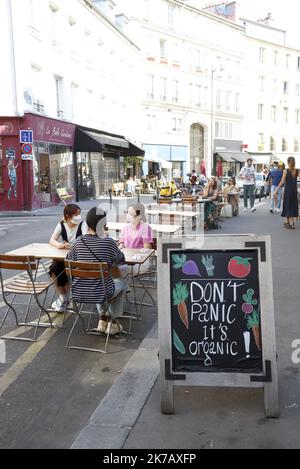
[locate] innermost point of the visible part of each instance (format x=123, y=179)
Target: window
x=260, y=112
x=287, y=60
x=262, y=81
x=151, y=121
x=297, y=116
x=284, y=144
x=176, y=125
x=150, y=86
x=205, y=104
x=175, y=91
x=59, y=95
x=261, y=142
x=237, y=99
x=171, y=13
x=55, y=29
x=285, y=87
x=198, y=60
x=298, y=63
x=296, y=144
x=274, y=85
x=191, y=94
x=198, y=90
x=228, y=101
x=228, y=130
x=298, y=89
x=219, y=100
x=163, y=48
x=272, y=144
x=219, y=129
x=285, y=115
x=262, y=55
x=273, y=113
x=275, y=57
x=163, y=89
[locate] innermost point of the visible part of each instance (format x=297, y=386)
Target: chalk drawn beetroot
x=248, y=306
x=188, y=267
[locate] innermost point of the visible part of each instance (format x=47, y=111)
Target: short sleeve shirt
x=249, y=174
x=135, y=238
x=71, y=233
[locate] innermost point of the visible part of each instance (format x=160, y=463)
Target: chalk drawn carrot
x=188, y=267
x=178, y=343
x=253, y=324
x=180, y=295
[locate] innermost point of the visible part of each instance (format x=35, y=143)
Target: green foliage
x=178, y=343
x=253, y=320
x=179, y=261
x=180, y=294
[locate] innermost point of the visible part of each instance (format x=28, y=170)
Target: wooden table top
x=118, y=226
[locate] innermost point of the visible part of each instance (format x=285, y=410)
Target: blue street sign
x=10, y=153
x=26, y=136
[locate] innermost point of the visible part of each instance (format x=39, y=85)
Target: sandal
x=291, y=227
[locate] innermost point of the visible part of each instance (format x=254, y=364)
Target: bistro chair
x=26, y=286
x=88, y=270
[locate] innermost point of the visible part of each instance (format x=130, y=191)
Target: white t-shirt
x=248, y=173
x=71, y=233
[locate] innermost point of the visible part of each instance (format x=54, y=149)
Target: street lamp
x=213, y=71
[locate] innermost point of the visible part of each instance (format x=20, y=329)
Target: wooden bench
x=64, y=196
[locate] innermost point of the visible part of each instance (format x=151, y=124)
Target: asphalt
x=129, y=417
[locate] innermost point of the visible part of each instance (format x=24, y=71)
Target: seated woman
x=137, y=235
x=210, y=208
x=231, y=192
x=92, y=247
x=68, y=230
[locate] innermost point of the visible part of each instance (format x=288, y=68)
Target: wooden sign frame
x=268, y=379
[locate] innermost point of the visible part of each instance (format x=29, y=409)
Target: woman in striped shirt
x=96, y=247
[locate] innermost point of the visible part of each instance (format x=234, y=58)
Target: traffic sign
x=10, y=153
x=26, y=136
x=27, y=148
x=27, y=157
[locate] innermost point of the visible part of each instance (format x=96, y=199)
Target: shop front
x=30, y=182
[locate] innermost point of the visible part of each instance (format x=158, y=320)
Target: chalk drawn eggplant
x=180, y=295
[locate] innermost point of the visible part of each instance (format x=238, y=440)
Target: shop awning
x=261, y=158
x=88, y=140
x=163, y=163
x=233, y=156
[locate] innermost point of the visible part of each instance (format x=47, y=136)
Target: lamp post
x=213, y=71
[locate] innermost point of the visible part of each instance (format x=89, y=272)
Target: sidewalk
x=212, y=418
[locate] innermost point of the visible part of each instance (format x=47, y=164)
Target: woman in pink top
x=137, y=234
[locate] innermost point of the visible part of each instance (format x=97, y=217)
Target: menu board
x=215, y=311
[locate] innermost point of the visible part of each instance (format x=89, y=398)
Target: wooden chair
x=64, y=196
x=24, y=287
x=88, y=270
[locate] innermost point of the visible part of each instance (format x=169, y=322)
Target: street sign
x=26, y=157
x=26, y=136
x=216, y=319
x=10, y=153
x=27, y=149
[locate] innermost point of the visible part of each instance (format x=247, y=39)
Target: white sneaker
x=102, y=326
x=115, y=328
x=245, y=209
x=253, y=209
x=59, y=306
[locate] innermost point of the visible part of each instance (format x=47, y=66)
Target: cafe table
x=172, y=214
x=161, y=229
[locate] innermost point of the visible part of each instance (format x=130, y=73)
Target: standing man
x=247, y=174
x=193, y=181
x=275, y=177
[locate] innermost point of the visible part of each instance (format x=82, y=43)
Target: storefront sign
x=50, y=130
x=26, y=136
x=10, y=153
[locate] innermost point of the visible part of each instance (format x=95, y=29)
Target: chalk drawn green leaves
x=248, y=306
x=253, y=322
x=207, y=261
x=178, y=344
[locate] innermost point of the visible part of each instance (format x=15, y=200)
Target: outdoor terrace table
x=161, y=229
x=172, y=214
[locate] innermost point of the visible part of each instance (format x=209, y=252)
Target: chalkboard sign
x=215, y=311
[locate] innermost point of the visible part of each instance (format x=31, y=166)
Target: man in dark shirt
x=275, y=177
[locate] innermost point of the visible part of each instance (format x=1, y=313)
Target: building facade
x=65, y=66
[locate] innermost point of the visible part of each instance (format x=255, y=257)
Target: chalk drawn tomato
x=239, y=267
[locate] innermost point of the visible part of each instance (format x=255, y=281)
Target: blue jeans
x=279, y=197
x=115, y=309
x=249, y=192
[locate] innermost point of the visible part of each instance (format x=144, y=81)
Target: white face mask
x=76, y=220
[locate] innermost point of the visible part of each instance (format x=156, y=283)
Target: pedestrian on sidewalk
x=290, y=199
x=247, y=174
x=276, y=176
x=68, y=230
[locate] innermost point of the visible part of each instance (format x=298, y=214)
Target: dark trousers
x=249, y=192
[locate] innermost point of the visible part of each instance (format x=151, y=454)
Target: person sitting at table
x=210, y=208
x=68, y=230
x=231, y=192
x=137, y=235
x=94, y=247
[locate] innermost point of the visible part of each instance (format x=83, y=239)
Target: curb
x=112, y=422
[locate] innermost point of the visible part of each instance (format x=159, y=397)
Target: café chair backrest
x=27, y=263
x=90, y=270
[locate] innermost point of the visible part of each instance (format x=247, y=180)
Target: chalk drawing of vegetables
x=253, y=324
x=188, y=267
x=180, y=295
x=247, y=307
x=208, y=264
x=178, y=344
x=239, y=267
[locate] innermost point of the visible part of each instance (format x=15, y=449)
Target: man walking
x=247, y=174
x=276, y=176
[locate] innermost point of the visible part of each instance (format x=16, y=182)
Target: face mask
x=76, y=220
